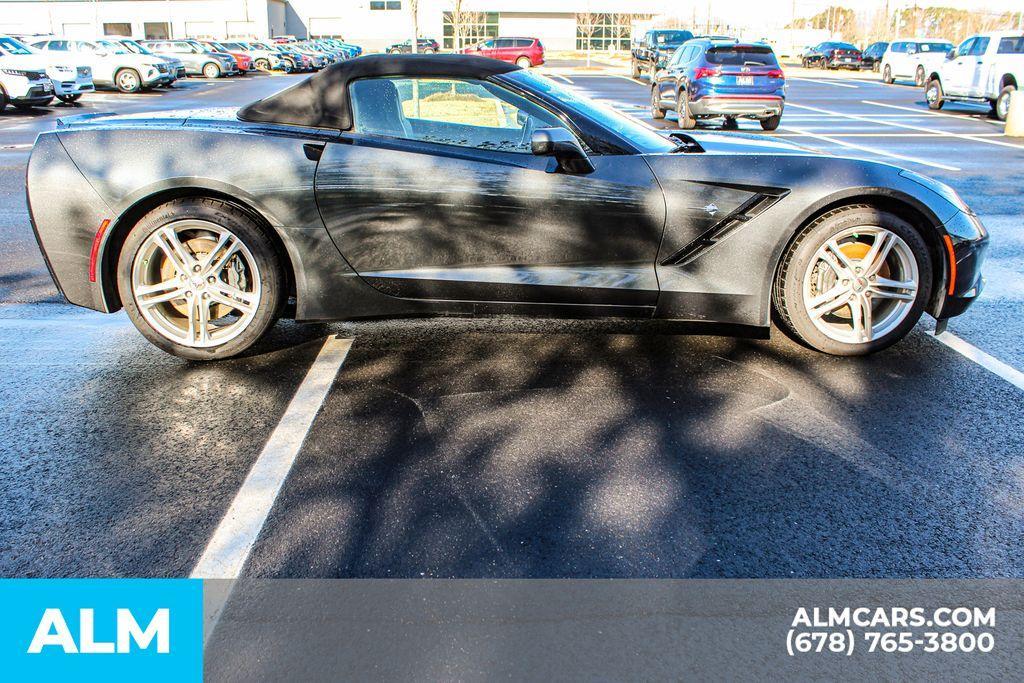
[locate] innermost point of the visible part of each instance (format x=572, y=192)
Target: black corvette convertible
x=419, y=185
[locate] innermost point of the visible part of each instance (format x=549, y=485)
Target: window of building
x=446, y=111
x=156, y=30
x=603, y=30
x=385, y=4
x=473, y=28
x=123, y=29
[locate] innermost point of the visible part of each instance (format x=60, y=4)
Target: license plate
x=745, y=80
x=47, y=87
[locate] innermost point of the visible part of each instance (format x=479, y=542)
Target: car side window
x=504, y=42
x=465, y=113
x=965, y=47
x=979, y=47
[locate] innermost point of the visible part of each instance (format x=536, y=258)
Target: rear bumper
x=841, y=64
x=757, y=106
x=969, y=241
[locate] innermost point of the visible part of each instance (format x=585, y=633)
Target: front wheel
x=772, y=122
x=684, y=117
x=887, y=75
x=262, y=64
x=919, y=77
x=128, y=80
x=656, y=111
x=211, y=70
x=200, y=278
x=854, y=281
x=933, y=94
x=1001, y=105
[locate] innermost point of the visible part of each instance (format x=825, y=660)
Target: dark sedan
x=427, y=185
x=423, y=45
x=833, y=55
x=872, y=55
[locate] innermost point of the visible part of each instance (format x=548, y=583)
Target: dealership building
x=374, y=24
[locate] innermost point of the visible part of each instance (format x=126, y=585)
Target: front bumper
x=65, y=88
x=963, y=282
x=756, y=106
x=35, y=95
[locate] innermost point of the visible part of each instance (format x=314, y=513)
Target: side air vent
x=750, y=209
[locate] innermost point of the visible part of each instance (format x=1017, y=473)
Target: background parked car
x=655, y=49
x=113, y=65
x=293, y=60
x=913, y=59
x=243, y=60
x=833, y=55
x=423, y=45
x=709, y=78
x=198, y=60
x=23, y=82
x=524, y=52
x=871, y=58
x=175, y=66
x=984, y=68
x=69, y=80
x=262, y=59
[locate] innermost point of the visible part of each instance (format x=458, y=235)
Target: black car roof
x=321, y=101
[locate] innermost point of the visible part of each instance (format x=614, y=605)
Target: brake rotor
x=200, y=246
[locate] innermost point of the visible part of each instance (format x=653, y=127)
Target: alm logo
x=53, y=632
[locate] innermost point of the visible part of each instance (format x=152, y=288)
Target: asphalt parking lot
x=499, y=448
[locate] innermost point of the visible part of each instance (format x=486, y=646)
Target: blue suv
x=709, y=78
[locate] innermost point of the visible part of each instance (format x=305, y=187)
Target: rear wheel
x=933, y=94
x=772, y=122
x=128, y=80
x=887, y=75
x=854, y=281
x=524, y=63
x=211, y=70
x=634, y=70
x=730, y=123
x=262, y=64
x=656, y=111
x=200, y=279
x=1001, y=105
x=685, y=119
x=919, y=77
x=3, y=100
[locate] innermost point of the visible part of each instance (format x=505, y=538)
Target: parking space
x=506, y=448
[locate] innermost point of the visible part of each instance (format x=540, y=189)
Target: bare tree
x=414, y=8
x=586, y=24
x=457, y=21
x=622, y=28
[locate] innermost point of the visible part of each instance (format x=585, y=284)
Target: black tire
x=787, y=293
x=772, y=122
x=887, y=75
x=634, y=70
x=685, y=119
x=933, y=94
x=1001, y=105
x=876, y=66
x=730, y=123
x=262, y=64
x=255, y=237
x=212, y=70
x=69, y=99
x=919, y=77
x=656, y=111
x=128, y=81
x=3, y=100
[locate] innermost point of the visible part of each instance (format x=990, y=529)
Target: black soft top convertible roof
x=321, y=101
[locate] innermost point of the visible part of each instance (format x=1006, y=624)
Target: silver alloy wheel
x=211, y=70
x=932, y=93
x=1003, y=106
x=127, y=80
x=860, y=284
x=196, y=283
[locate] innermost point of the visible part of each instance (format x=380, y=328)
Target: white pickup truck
x=984, y=68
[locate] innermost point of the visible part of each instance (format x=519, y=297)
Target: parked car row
x=30, y=79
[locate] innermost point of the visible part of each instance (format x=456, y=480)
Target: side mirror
x=564, y=147
x=951, y=54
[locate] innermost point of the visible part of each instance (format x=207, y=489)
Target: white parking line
x=824, y=82
x=231, y=543
x=966, y=116
x=871, y=150
x=944, y=133
x=990, y=363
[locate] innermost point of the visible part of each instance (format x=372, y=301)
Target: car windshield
x=647, y=140
x=112, y=47
x=742, y=55
x=672, y=37
x=13, y=47
x=196, y=47
x=838, y=46
x=218, y=47
x=135, y=47
x=934, y=47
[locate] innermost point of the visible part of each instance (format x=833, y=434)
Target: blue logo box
x=102, y=629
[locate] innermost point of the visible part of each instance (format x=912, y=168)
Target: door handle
x=313, y=150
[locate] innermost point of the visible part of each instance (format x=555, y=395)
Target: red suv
x=524, y=52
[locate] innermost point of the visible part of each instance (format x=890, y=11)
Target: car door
x=667, y=81
x=958, y=73
x=435, y=195
x=901, y=58
x=504, y=49
x=975, y=66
